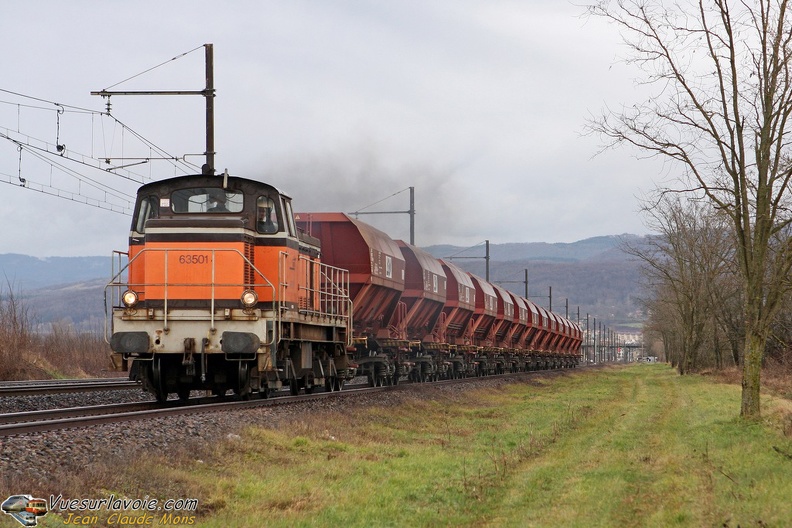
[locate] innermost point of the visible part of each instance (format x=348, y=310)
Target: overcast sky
x=480, y=105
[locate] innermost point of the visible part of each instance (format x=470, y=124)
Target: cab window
x=290, y=218
x=148, y=209
x=266, y=215
x=203, y=200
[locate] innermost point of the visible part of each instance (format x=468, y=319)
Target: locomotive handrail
x=282, y=256
x=113, y=276
x=333, y=292
x=116, y=282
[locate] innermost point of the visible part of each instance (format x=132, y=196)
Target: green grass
x=626, y=446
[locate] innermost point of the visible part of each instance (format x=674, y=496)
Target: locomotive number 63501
x=194, y=259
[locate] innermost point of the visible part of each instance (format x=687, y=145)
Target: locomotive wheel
x=243, y=381
x=158, y=379
x=184, y=394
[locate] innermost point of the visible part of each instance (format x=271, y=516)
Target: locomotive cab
x=220, y=291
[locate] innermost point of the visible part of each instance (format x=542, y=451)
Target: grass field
x=614, y=447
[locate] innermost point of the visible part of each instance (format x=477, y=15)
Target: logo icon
x=24, y=508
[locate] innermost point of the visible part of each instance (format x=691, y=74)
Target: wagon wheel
x=376, y=377
x=308, y=382
x=333, y=383
x=158, y=380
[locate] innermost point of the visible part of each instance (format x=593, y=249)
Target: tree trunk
x=734, y=345
x=751, y=379
x=716, y=345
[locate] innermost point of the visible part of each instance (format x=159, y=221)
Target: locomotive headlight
x=249, y=299
x=130, y=298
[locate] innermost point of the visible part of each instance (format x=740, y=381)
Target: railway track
x=41, y=387
x=12, y=424
x=53, y=419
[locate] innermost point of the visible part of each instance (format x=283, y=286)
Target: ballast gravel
x=36, y=460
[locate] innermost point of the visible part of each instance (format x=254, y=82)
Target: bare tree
x=722, y=112
x=663, y=326
x=682, y=262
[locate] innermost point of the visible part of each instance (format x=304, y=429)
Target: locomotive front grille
x=250, y=274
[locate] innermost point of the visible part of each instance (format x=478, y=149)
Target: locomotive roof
x=203, y=180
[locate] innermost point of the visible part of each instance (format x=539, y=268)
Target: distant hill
x=27, y=273
x=593, y=274
x=590, y=248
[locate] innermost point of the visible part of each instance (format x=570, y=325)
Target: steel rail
x=71, y=412
x=18, y=383
x=39, y=388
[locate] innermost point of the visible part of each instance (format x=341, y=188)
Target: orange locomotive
x=222, y=292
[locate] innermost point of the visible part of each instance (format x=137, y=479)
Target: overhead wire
x=60, y=107
x=48, y=101
x=179, y=163
x=467, y=249
x=80, y=177
x=46, y=150
x=147, y=142
x=47, y=109
x=46, y=155
x=153, y=67
x=380, y=201
x=69, y=195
